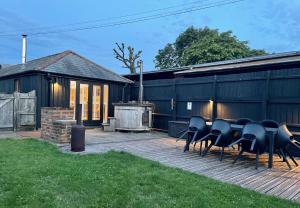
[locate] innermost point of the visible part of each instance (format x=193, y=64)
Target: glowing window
x=105, y=103
x=84, y=100
x=96, y=102
x=73, y=95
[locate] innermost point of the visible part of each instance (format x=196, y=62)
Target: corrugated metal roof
x=261, y=60
x=65, y=63
x=279, y=58
x=161, y=71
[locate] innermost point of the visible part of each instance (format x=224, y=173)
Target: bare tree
x=130, y=61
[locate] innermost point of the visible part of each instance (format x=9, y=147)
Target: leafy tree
x=167, y=57
x=196, y=46
x=129, y=60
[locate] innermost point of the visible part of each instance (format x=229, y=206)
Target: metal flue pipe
x=78, y=115
x=24, y=48
x=141, y=89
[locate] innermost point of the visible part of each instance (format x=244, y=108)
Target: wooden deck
x=278, y=181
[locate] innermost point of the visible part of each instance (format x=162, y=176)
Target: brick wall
x=56, y=124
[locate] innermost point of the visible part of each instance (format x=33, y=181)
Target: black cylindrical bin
x=78, y=138
x=78, y=133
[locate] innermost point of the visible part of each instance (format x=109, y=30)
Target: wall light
x=211, y=108
x=55, y=89
x=211, y=105
x=54, y=80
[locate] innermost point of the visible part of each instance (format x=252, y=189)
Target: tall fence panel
x=284, y=96
x=241, y=95
x=193, y=97
x=269, y=94
x=161, y=93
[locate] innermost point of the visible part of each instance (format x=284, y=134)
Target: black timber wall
x=268, y=94
x=44, y=90
x=28, y=83
x=59, y=95
x=7, y=86
x=117, y=92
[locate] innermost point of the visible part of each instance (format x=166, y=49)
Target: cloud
x=12, y=22
x=280, y=23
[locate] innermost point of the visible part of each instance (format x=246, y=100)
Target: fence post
x=14, y=113
x=173, y=101
x=16, y=109
x=35, y=110
x=213, y=99
x=266, y=97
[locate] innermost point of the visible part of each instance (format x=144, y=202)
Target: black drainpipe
x=49, y=79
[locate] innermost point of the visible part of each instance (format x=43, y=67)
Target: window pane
x=105, y=103
x=84, y=99
x=96, y=102
x=73, y=95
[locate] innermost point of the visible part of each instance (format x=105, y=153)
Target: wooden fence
x=273, y=94
x=18, y=111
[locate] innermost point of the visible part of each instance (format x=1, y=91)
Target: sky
x=272, y=25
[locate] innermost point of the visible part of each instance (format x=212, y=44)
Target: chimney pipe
x=141, y=90
x=24, y=48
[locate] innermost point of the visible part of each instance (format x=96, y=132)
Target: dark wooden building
x=262, y=87
x=64, y=80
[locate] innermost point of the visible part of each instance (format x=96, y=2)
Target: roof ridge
x=9, y=66
x=56, y=54
x=104, y=68
x=60, y=56
x=49, y=63
x=46, y=56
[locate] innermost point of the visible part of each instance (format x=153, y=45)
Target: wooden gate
x=18, y=111
x=6, y=111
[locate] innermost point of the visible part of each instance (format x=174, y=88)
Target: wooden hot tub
x=133, y=116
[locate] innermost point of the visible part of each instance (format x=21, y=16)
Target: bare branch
x=120, y=55
x=138, y=55
x=130, y=61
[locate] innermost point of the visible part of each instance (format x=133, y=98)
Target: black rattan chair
x=236, y=134
x=284, y=139
x=197, y=129
x=269, y=124
x=253, y=140
x=220, y=135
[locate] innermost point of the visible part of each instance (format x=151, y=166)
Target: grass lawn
x=36, y=174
